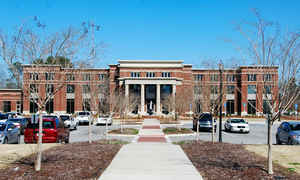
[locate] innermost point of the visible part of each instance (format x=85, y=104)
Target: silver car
x=9, y=133
x=237, y=125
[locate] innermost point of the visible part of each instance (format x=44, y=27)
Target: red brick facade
x=10, y=100
x=192, y=88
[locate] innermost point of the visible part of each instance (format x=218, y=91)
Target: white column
x=126, y=98
x=143, y=98
x=174, y=96
x=126, y=90
x=158, y=99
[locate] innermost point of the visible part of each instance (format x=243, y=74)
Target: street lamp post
x=221, y=97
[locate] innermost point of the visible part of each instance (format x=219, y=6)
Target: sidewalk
x=151, y=157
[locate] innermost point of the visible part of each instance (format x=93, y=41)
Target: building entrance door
x=150, y=98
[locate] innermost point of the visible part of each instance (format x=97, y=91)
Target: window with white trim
x=150, y=74
x=165, y=74
x=135, y=74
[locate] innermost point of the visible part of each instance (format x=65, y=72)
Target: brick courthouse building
x=154, y=83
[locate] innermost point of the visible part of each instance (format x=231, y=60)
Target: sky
x=188, y=30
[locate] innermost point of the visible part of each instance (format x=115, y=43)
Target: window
x=6, y=106
x=251, y=107
x=70, y=106
x=198, y=107
x=34, y=76
x=33, y=106
x=34, y=88
x=135, y=74
x=101, y=89
x=49, y=106
x=214, y=89
x=230, y=89
x=230, y=77
x=267, y=107
x=198, y=77
x=267, y=77
x=70, y=88
x=86, y=77
x=267, y=89
x=251, y=77
x=251, y=89
x=70, y=77
x=150, y=74
x=165, y=74
x=102, y=76
x=49, y=88
x=214, y=77
x=86, y=89
x=197, y=89
x=49, y=76
x=19, y=106
x=230, y=107
x=86, y=105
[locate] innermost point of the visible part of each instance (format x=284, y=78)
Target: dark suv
x=205, y=122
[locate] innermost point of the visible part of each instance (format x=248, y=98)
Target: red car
x=54, y=131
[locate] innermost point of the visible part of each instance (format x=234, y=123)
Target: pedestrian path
x=151, y=157
x=151, y=132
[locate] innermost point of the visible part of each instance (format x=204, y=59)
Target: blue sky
x=189, y=30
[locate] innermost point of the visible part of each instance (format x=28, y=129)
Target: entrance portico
x=151, y=91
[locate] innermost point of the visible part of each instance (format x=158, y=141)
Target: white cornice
x=151, y=63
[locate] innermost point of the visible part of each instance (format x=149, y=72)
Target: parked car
x=205, y=122
x=82, y=117
x=102, y=120
x=288, y=133
x=20, y=123
x=9, y=133
x=14, y=115
x=69, y=121
x=3, y=117
x=54, y=131
x=237, y=125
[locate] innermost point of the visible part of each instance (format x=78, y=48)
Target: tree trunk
x=39, y=143
x=106, y=131
x=90, y=130
x=213, y=132
x=270, y=164
x=197, y=130
x=121, y=125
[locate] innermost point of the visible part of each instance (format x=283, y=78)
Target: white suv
x=83, y=117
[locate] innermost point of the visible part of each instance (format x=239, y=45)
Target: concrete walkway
x=151, y=158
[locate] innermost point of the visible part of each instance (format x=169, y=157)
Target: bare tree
x=32, y=44
x=98, y=93
x=268, y=48
x=118, y=105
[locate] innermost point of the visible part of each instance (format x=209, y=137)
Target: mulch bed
x=231, y=161
x=174, y=130
x=127, y=131
x=69, y=161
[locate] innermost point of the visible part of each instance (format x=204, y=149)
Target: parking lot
x=98, y=132
x=257, y=135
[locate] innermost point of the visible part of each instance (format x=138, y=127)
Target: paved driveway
x=257, y=135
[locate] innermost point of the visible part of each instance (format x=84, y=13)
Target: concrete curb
x=122, y=135
x=180, y=135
